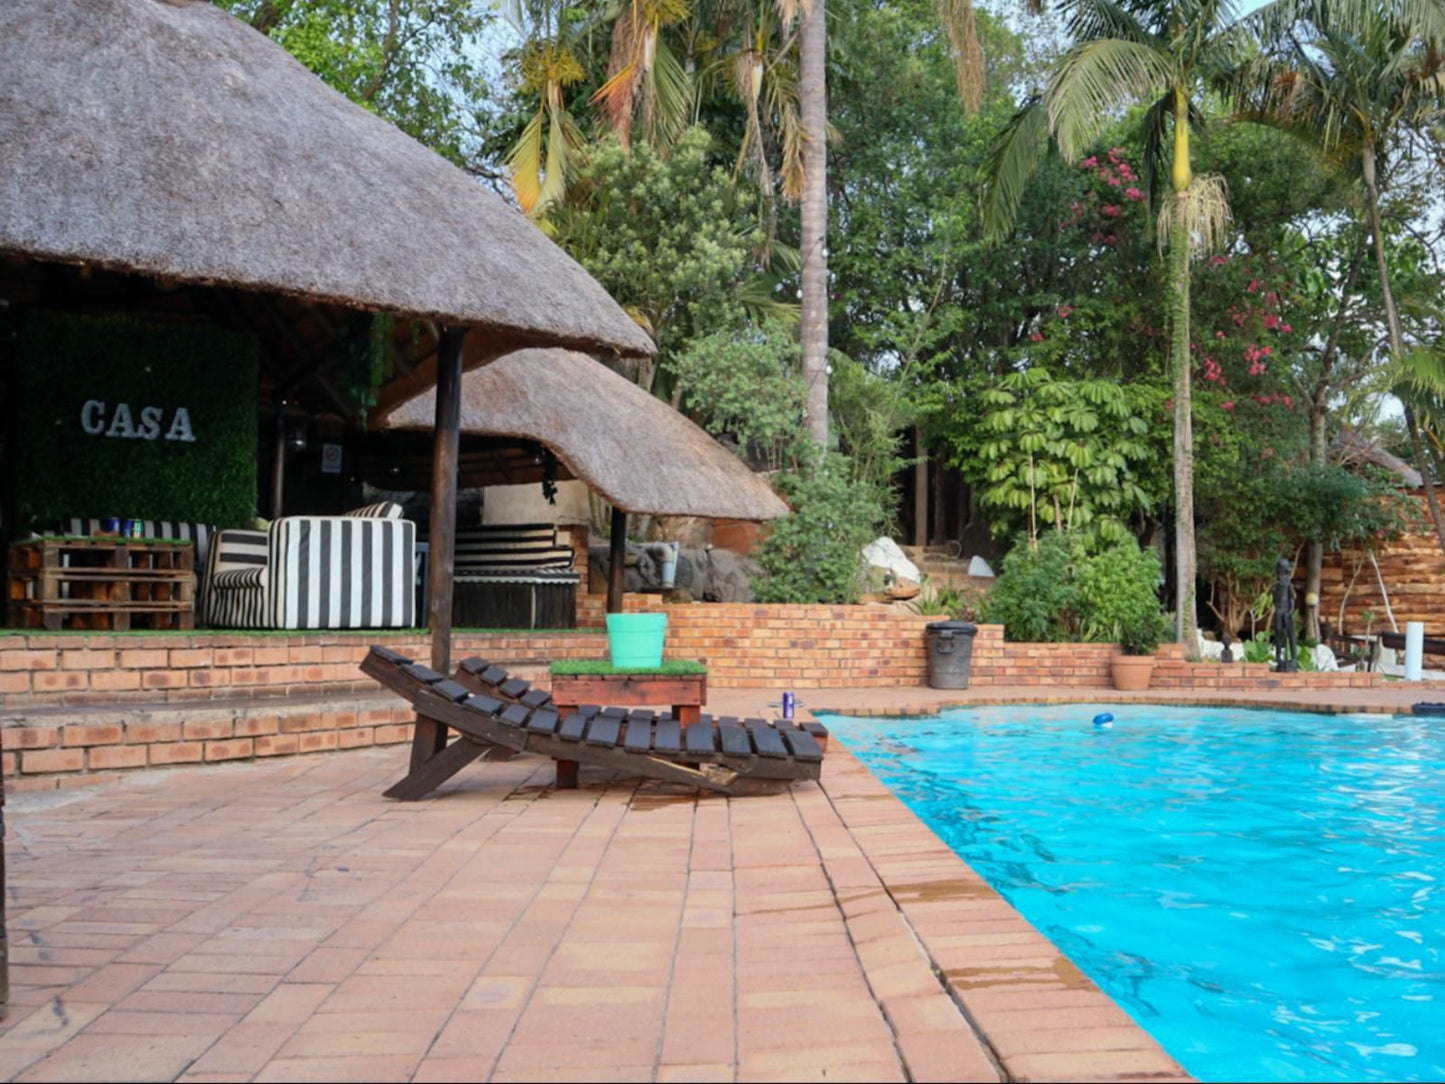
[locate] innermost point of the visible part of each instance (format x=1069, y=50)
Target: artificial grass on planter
x=601, y=667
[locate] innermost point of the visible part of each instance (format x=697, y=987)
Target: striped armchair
x=353, y=571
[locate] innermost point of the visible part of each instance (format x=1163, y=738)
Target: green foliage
x=814, y=553
x=418, y=63
x=1046, y=452
x=61, y=470
x=1035, y=597
x=746, y=386
x=1054, y=591
x=1118, y=592
x=870, y=414
x=671, y=238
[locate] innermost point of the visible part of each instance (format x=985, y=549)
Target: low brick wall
x=50, y=747
x=799, y=647
x=110, y=668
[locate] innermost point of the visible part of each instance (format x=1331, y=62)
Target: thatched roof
x=1351, y=449
x=166, y=137
x=633, y=449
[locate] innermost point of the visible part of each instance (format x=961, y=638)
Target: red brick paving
x=282, y=921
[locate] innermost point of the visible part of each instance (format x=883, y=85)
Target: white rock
x=977, y=566
x=884, y=553
x=1324, y=658
x=1209, y=650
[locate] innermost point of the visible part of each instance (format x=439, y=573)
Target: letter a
x=181, y=427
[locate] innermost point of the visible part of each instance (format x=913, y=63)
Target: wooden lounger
x=727, y=755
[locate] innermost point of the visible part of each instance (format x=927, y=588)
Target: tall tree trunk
x=1319, y=414
x=1397, y=340
x=1185, y=564
x=812, y=56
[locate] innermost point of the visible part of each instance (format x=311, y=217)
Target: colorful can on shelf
x=790, y=703
x=110, y=525
x=137, y=529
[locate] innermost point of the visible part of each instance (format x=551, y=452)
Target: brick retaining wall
x=81, y=708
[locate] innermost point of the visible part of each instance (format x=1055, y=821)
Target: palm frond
x=1206, y=215
x=791, y=131
x=1090, y=20
x=961, y=26
x=1156, y=162
x=1011, y=161
x=670, y=96
x=1092, y=80
x=525, y=162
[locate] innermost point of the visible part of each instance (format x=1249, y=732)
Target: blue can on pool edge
x=789, y=703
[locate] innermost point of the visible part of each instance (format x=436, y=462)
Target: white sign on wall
x=331, y=459
x=119, y=421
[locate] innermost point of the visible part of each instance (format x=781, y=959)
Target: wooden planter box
x=687, y=693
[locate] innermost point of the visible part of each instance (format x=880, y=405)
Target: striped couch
x=511, y=547
x=354, y=571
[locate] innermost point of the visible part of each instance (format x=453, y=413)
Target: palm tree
x=541, y=160
x=813, y=239
x=1162, y=52
x=1356, y=80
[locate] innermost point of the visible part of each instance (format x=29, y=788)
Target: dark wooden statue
x=1286, y=646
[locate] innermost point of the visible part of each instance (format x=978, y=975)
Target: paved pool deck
x=283, y=921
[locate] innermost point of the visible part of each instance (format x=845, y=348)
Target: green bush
x=814, y=553
x=1055, y=591
x=1035, y=597
x=1119, y=594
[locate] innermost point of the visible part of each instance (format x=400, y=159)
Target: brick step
x=64, y=746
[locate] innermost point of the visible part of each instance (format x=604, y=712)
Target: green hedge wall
x=67, y=361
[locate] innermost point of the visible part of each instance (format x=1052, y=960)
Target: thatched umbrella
x=633, y=449
x=167, y=138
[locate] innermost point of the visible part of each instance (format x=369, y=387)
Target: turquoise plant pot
x=636, y=639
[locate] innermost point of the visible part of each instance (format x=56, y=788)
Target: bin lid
x=958, y=628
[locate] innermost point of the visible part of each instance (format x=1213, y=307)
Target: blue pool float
x=1103, y=719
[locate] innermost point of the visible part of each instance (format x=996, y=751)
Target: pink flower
x=1271, y=321
x=1218, y=261
x=1285, y=329
x=1065, y=311
x=1289, y=402
x=1114, y=181
x=1036, y=337
x=1254, y=284
x=1089, y=162
x=1219, y=334
x=1109, y=210
x=1133, y=194
x=1229, y=405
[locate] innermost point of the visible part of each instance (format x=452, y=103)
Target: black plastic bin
x=950, y=653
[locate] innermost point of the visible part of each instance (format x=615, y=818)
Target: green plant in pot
x=1119, y=592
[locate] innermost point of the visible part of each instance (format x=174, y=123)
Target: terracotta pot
x=1132, y=672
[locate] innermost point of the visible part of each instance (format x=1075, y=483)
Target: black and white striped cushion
x=242, y=602
x=521, y=547
x=341, y=573
x=381, y=510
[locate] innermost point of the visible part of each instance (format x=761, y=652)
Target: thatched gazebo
x=631, y=448
x=169, y=142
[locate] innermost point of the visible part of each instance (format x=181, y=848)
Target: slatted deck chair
x=726, y=755
x=487, y=678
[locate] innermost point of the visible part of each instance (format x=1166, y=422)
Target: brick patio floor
x=283, y=921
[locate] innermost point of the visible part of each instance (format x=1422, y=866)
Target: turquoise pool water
x=1260, y=890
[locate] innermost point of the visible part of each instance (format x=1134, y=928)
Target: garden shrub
x=1055, y=591
x=814, y=553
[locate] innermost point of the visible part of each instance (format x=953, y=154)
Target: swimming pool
x=1260, y=890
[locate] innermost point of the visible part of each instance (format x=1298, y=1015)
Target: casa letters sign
x=101, y=420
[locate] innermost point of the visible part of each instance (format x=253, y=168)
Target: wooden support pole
x=430, y=737
x=617, y=567
x=444, y=495
x=278, y=462
x=920, y=489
